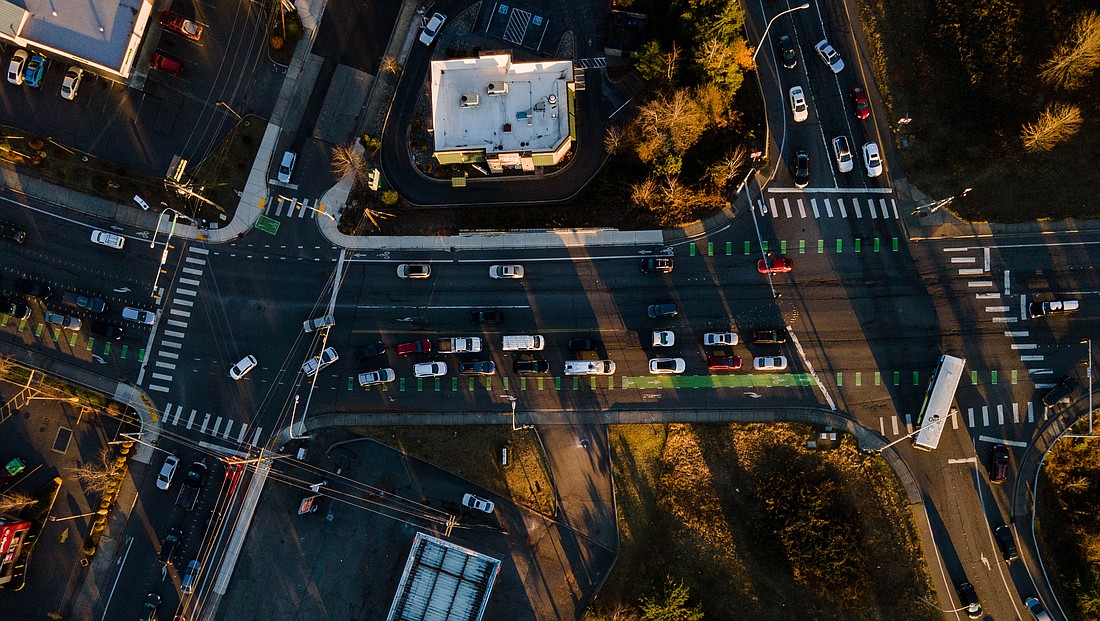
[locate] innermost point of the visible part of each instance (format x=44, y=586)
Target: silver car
x=374, y=378
x=843, y=154
x=317, y=363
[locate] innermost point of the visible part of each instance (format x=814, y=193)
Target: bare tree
x=614, y=141
x=644, y=194
x=1075, y=60
x=727, y=169
x=13, y=502
x=672, y=60
x=98, y=476
x=1057, y=123
x=390, y=64
x=346, y=159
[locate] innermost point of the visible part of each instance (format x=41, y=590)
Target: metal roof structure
x=443, y=581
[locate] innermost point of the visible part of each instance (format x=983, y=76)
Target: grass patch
x=753, y=521
x=223, y=173
x=473, y=452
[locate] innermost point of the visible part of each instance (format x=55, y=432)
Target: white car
x=769, y=363
x=871, y=159
x=843, y=153
x=324, y=321
x=15, y=68
x=713, y=339
x=664, y=338
x=373, y=378
x=242, y=368
x=430, y=369
x=317, y=363
x=111, y=240
x=138, y=315
x=71, y=82
x=432, y=28
x=662, y=366
x=473, y=502
x=167, y=471
x=506, y=271
x=286, y=167
x=798, y=104
x=829, y=55
x=414, y=270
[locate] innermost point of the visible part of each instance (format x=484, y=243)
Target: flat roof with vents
x=443, y=582
x=494, y=105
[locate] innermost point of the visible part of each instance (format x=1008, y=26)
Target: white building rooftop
x=443, y=582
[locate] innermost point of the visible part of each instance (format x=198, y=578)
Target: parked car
x=969, y=599
x=166, y=63
x=474, y=502
x=776, y=265
x=799, y=108
x=1052, y=307
x=718, y=339
x=1063, y=391
x=187, y=584
x=800, y=167
x=1003, y=535
x=843, y=154
x=414, y=270
x=829, y=56
x=111, y=240
x=324, y=321
x=724, y=363
x=584, y=343
x=506, y=271
x=94, y=305
x=180, y=25
x=769, y=363
x=286, y=166
x=431, y=28
x=149, y=607
x=374, y=378
x=770, y=336
x=998, y=471
x=661, y=311
x=16, y=67
x=477, y=367
x=33, y=289
x=1037, y=610
x=139, y=316
x=487, y=316
x=12, y=232
x=107, y=330
x=860, y=104
x=242, y=368
x=663, y=366
x=316, y=363
x=871, y=159
x=784, y=48
x=70, y=84
x=167, y=471
x=376, y=348
x=419, y=346
x=170, y=545
x=430, y=369
x=664, y=338
x=657, y=265
x=13, y=309
x=530, y=367
x=65, y=321
x=36, y=67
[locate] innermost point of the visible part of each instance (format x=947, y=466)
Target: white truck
x=459, y=345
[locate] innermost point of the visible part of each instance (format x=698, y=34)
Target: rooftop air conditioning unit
x=469, y=100
x=495, y=88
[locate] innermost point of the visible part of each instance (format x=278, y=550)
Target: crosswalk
x=282, y=206
x=176, y=316
x=211, y=425
x=849, y=207
x=985, y=415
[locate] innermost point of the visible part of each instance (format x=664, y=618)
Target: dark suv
x=530, y=367
x=16, y=310
x=170, y=546
x=657, y=265
x=999, y=465
x=478, y=367
x=584, y=344
x=772, y=336
x=1061, y=391
x=487, y=316
x=33, y=289
x=785, y=49
x=1003, y=535
x=658, y=311
x=969, y=599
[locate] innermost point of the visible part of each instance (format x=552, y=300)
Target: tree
x=346, y=159
x=14, y=502
x=99, y=476
x=649, y=60
x=670, y=605
x=1057, y=123
x=1075, y=60
x=389, y=64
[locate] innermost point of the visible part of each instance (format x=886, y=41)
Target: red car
x=233, y=475
x=778, y=265
x=181, y=25
x=724, y=363
x=860, y=103
x=421, y=346
x=166, y=63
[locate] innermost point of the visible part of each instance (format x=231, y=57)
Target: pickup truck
x=192, y=485
x=459, y=345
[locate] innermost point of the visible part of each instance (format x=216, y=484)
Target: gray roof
x=99, y=31
x=443, y=582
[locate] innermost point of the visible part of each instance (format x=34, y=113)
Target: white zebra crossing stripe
x=189, y=281
x=787, y=208
x=894, y=204
x=882, y=206
x=970, y=414
x=164, y=365
x=178, y=312
x=168, y=354
x=191, y=418
x=256, y=437
x=801, y=208
x=158, y=388
x=187, y=292
x=217, y=425
x=855, y=205
x=192, y=272
x=813, y=205
x=1030, y=412
x=173, y=334
x=172, y=344
x=244, y=428
x=771, y=203
x=228, y=426
x=195, y=261
x=843, y=211
x=871, y=207
x=198, y=249
x=1016, y=413
x=187, y=303
x=828, y=208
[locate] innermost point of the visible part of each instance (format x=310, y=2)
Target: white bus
x=937, y=402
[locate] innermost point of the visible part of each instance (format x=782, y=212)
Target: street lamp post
x=167, y=243
x=512, y=400
x=1089, y=373
x=226, y=106
x=942, y=421
x=936, y=205
x=764, y=37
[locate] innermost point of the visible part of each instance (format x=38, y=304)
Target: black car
x=106, y=330
x=584, y=343
x=801, y=167
x=1061, y=391
x=771, y=336
x=530, y=367
x=969, y=599
x=376, y=348
x=785, y=50
x=33, y=289
x=16, y=310
x=487, y=316
x=657, y=265
x=478, y=367
x=170, y=545
x=659, y=311
x=1003, y=535
x=999, y=466
x=149, y=608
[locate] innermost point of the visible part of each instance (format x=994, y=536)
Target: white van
x=524, y=343
x=589, y=367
